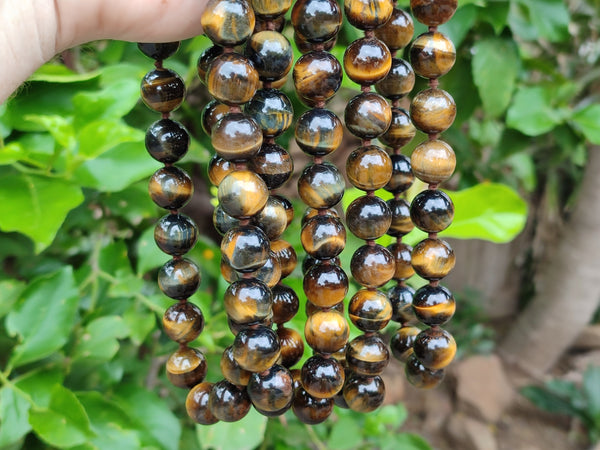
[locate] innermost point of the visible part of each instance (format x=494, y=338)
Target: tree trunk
x=569, y=290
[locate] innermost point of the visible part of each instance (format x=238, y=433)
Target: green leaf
x=532, y=112
x=591, y=390
x=99, y=339
x=140, y=322
x=36, y=206
x=496, y=14
x=97, y=137
x=533, y=19
x=14, y=424
x=59, y=127
x=588, y=121
x=462, y=21
x=345, y=434
x=149, y=255
x=59, y=73
x=64, y=423
x=43, y=316
x=39, y=383
x=11, y=153
x=495, y=67
x=548, y=401
x=10, y=291
x=112, y=102
x=405, y=441
x=394, y=415
x=243, y=435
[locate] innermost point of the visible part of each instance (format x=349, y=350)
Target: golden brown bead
x=272, y=110
x=432, y=55
x=433, y=305
x=433, y=259
x=401, y=298
x=231, y=370
x=421, y=377
x=311, y=410
x=219, y=168
x=186, y=367
x=196, y=404
x=369, y=168
x=367, y=355
x=273, y=164
x=236, y=137
x=179, y=278
x=271, y=54
x=272, y=390
x=285, y=303
x=325, y=285
x=367, y=60
x=435, y=348
x=289, y=208
x=170, y=187
x=222, y=221
x=309, y=213
x=256, y=349
x=183, y=322
x=242, y=194
x=370, y=310
x=364, y=394
x=270, y=9
x=433, y=111
x=162, y=90
x=401, y=130
x=317, y=77
x=402, y=342
x=286, y=255
x=292, y=346
x=372, y=266
x=368, y=14
x=401, y=221
x=175, y=234
x=398, y=31
x=235, y=327
x=368, y=217
x=311, y=309
x=272, y=219
x=322, y=377
x=248, y=300
x=316, y=20
x=245, y=248
x=432, y=211
x=323, y=237
x=319, y=132
x=211, y=114
x=433, y=161
x=402, y=256
x=433, y=12
x=326, y=331
x=368, y=115
x=232, y=79
x=228, y=22
x=402, y=176
x=206, y=59
x=228, y=402
x=321, y=185
x=399, y=81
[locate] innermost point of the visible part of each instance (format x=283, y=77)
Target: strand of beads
x=175, y=234
x=369, y=167
x=317, y=77
x=433, y=111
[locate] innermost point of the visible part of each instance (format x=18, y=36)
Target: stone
x=470, y=434
x=589, y=339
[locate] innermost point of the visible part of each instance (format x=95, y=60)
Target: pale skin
x=33, y=31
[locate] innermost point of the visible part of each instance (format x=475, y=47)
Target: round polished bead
x=179, y=278
x=289, y=207
x=311, y=410
x=271, y=390
x=270, y=9
x=367, y=355
x=273, y=164
x=232, y=79
x=319, y=132
x=338, y=399
x=272, y=219
x=236, y=137
x=305, y=47
x=310, y=308
x=245, y=248
x=271, y=54
x=175, y=234
x=433, y=12
x=211, y=114
x=326, y=331
x=321, y=185
x=167, y=141
x=421, y=377
x=435, y=348
x=369, y=168
x=316, y=20
x=235, y=327
x=205, y=60
x=159, y=51
x=368, y=217
x=370, y=310
x=186, y=367
x=286, y=255
x=317, y=77
x=368, y=115
x=272, y=110
x=196, y=404
x=398, y=31
x=368, y=14
x=432, y=211
x=364, y=394
x=402, y=176
x=372, y=266
x=433, y=161
x=242, y=194
x=433, y=111
x=402, y=256
x=292, y=346
x=219, y=168
x=170, y=187
x=399, y=81
x=285, y=303
x=433, y=259
x=401, y=298
x=325, y=285
x=270, y=273
x=248, y=300
x=256, y=349
x=309, y=213
x=432, y=55
x=183, y=322
x=401, y=222
x=162, y=90
x=228, y=22
x=367, y=60
x=401, y=130
x=322, y=377
x=228, y=402
x=323, y=237
x=222, y=221
x=231, y=370
x=433, y=305
x=401, y=343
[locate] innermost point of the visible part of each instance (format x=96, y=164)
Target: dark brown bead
x=310, y=308
x=272, y=219
x=402, y=256
x=286, y=255
x=183, y=322
x=236, y=137
x=273, y=164
x=316, y=20
x=270, y=273
x=167, y=141
x=186, y=367
x=211, y=114
x=162, y=90
x=370, y=310
x=323, y=237
x=292, y=346
x=402, y=176
x=421, y=377
x=175, y=234
x=170, y=187
x=325, y=285
x=435, y=348
x=321, y=185
x=285, y=303
x=398, y=31
x=309, y=261
x=372, y=266
x=311, y=410
x=367, y=355
x=228, y=402
x=271, y=54
x=275, y=24
x=219, y=168
x=309, y=213
x=364, y=394
x=401, y=222
x=433, y=305
x=228, y=22
x=368, y=115
x=369, y=168
x=179, y=278
x=248, y=301
x=401, y=298
x=305, y=47
x=235, y=327
x=319, y=132
x=317, y=77
x=159, y=51
x=326, y=331
x=401, y=130
x=433, y=259
x=401, y=343
x=256, y=349
x=433, y=162
x=206, y=59
x=245, y=248
x=399, y=81
x=289, y=208
x=367, y=60
x=296, y=377
x=272, y=390
x=433, y=12
x=432, y=111
x=232, y=79
x=432, y=55
x=272, y=110
x=196, y=404
x=322, y=377
x=368, y=14
x=270, y=9
x=242, y=194
x=432, y=211
x=222, y=221
x=368, y=217
x=231, y=370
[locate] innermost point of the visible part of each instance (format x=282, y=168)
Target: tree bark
x=569, y=290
